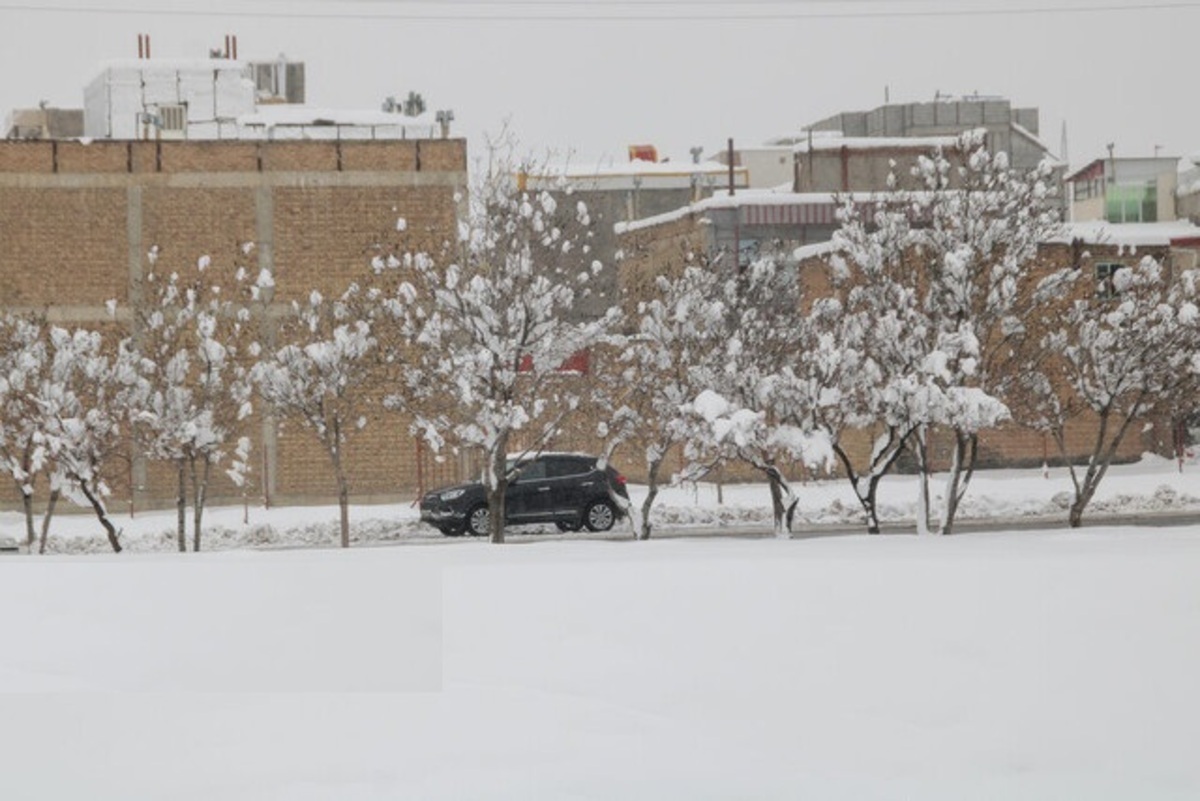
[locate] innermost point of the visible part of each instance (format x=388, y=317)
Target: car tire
x=599, y=516
x=478, y=520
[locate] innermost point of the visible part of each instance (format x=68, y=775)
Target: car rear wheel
x=599, y=516
x=478, y=521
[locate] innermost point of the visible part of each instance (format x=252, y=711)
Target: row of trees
x=934, y=313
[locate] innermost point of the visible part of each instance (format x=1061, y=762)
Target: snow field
x=1006, y=666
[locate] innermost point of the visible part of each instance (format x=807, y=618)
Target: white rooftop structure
x=224, y=98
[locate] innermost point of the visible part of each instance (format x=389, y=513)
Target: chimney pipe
x=234, y=47
x=147, y=45
x=141, y=48
x=226, y=45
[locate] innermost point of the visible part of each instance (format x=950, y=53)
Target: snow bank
x=1152, y=485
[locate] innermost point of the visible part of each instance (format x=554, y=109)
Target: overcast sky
x=590, y=78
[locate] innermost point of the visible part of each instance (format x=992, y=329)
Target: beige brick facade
x=78, y=222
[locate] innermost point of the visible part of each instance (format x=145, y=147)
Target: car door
x=569, y=485
x=525, y=499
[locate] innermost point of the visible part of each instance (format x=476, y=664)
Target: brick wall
x=78, y=222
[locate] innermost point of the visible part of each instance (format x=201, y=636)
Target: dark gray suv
x=567, y=489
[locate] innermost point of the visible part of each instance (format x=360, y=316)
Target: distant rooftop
x=1128, y=235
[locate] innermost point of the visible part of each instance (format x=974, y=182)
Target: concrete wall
x=768, y=167
x=861, y=169
x=946, y=118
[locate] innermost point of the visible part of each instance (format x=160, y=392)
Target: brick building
x=78, y=222
x=665, y=244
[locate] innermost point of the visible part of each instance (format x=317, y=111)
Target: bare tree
x=323, y=377
x=1120, y=355
x=758, y=405
x=977, y=226
x=88, y=395
x=660, y=368
x=192, y=335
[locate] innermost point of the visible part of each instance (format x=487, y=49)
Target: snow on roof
x=1032, y=137
x=750, y=197
x=293, y=114
x=812, y=251
x=874, y=142
x=1099, y=232
x=638, y=167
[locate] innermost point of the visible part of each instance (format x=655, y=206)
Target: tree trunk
x=27, y=504
x=870, y=505
x=199, y=493
x=1102, y=455
x=50, y=504
x=101, y=515
x=651, y=493
x=496, y=486
x=881, y=463
x=923, y=483
x=181, y=505
x=334, y=446
x=961, y=470
x=343, y=489
x=26, y=488
x=783, y=501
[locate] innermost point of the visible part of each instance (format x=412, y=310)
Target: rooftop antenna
x=1063, y=146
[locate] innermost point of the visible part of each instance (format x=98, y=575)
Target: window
x=530, y=471
x=1105, y=272
x=563, y=466
x=1127, y=204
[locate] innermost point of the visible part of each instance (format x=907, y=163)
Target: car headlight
x=452, y=494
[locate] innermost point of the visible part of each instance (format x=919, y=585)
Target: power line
x=475, y=16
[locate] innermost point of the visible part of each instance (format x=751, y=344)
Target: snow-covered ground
x=1031, y=665
x=1152, y=485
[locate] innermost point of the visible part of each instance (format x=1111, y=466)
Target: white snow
x=1007, y=666
x=1099, y=232
x=924, y=143
x=1153, y=485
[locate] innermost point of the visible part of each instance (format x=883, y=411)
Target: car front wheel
x=478, y=520
x=599, y=516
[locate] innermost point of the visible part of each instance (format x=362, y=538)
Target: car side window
x=563, y=467
x=532, y=471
